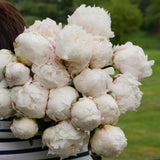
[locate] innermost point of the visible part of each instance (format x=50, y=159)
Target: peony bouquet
x=67, y=76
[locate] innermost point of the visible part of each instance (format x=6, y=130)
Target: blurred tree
x=32, y=10
x=65, y=8
x=152, y=17
x=126, y=18
x=77, y=3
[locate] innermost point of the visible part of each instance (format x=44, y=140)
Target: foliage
x=126, y=18
x=152, y=17
x=40, y=9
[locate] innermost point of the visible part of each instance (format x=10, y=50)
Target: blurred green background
x=137, y=21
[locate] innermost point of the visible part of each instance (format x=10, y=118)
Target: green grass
x=142, y=128
x=145, y=40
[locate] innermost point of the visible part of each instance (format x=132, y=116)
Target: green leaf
x=31, y=142
x=4, y=71
x=19, y=115
x=14, y=44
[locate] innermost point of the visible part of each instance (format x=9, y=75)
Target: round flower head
x=16, y=74
x=64, y=140
x=108, y=141
x=108, y=108
x=51, y=74
x=85, y=114
x=6, y=57
x=5, y=103
x=75, y=47
x=32, y=48
x=47, y=28
x=131, y=58
x=94, y=20
x=3, y=84
x=30, y=100
x=102, y=52
x=60, y=101
x=24, y=128
x=93, y=82
x=126, y=92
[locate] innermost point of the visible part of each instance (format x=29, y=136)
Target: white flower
x=30, y=99
x=6, y=57
x=131, y=58
x=3, y=83
x=94, y=20
x=85, y=114
x=32, y=48
x=108, y=141
x=108, y=108
x=24, y=128
x=16, y=74
x=5, y=103
x=64, y=140
x=74, y=46
x=93, y=82
x=60, y=101
x=51, y=74
x=126, y=92
x=47, y=28
x=102, y=52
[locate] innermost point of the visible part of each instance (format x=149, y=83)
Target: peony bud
x=6, y=57
x=60, y=101
x=30, y=99
x=6, y=110
x=93, y=82
x=85, y=114
x=64, y=140
x=131, y=58
x=102, y=52
x=47, y=28
x=75, y=47
x=51, y=74
x=108, y=141
x=126, y=92
x=24, y=128
x=108, y=108
x=94, y=20
x=16, y=74
x=32, y=48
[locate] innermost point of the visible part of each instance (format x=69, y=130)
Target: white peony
x=6, y=110
x=85, y=114
x=108, y=108
x=108, y=141
x=6, y=57
x=30, y=100
x=74, y=46
x=93, y=82
x=3, y=83
x=16, y=74
x=24, y=128
x=47, y=28
x=59, y=103
x=126, y=92
x=51, y=74
x=102, y=52
x=32, y=48
x=94, y=20
x=131, y=58
x=64, y=140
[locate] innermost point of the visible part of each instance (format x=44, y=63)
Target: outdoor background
x=137, y=21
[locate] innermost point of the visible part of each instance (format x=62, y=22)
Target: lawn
x=142, y=128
